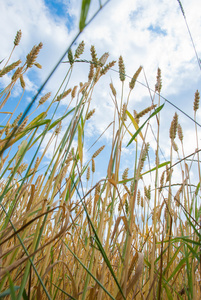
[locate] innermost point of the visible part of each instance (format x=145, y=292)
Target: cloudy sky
x=148, y=33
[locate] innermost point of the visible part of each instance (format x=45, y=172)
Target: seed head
x=94, y=56
x=23, y=124
x=73, y=93
x=125, y=174
x=177, y=196
x=145, y=151
x=17, y=74
x=104, y=58
x=135, y=76
x=9, y=68
x=147, y=192
x=168, y=174
x=83, y=87
x=63, y=95
x=70, y=57
x=123, y=112
x=138, y=197
x=88, y=174
x=58, y=129
x=69, y=158
x=97, y=189
x=79, y=50
x=44, y=98
x=90, y=114
x=93, y=165
x=31, y=57
x=7, y=130
x=17, y=120
x=22, y=82
x=91, y=72
x=174, y=146
x=121, y=69
x=145, y=111
x=158, y=85
x=196, y=101
x=126, y=206
x=126, y=188
x=142, y=202
x=173, y=127
x=157, y=158
x=143, y=157
x=38, y=65
x=97, y=74
x=36, y=163
x=98, y=151
x=180, y=132
x=107, y=67
x=113, y=89
x=17, y=37
x=162, y=181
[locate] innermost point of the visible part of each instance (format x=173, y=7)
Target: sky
x=148, y=33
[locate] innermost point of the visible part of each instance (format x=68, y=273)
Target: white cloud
x=121, y=28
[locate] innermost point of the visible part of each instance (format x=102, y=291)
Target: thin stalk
x=156, y=195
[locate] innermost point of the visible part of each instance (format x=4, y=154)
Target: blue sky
x=59, y=10
x=148, y=33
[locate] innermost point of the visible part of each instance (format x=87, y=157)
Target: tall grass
x=64, y=236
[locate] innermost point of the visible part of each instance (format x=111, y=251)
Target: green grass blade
x=8, y=292
x=178, y=267
x=12, y=288
x=139, y=130
x=193, y=226
x=71, y=297
x=134, y=123
x=51, y=126
x=84, y=13
x=172, y=259
x=149, y=171
x=24, y=295
x=168, y=293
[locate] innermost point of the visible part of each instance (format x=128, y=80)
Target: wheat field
x=130, y=235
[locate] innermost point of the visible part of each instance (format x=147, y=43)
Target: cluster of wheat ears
x=62, y=236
